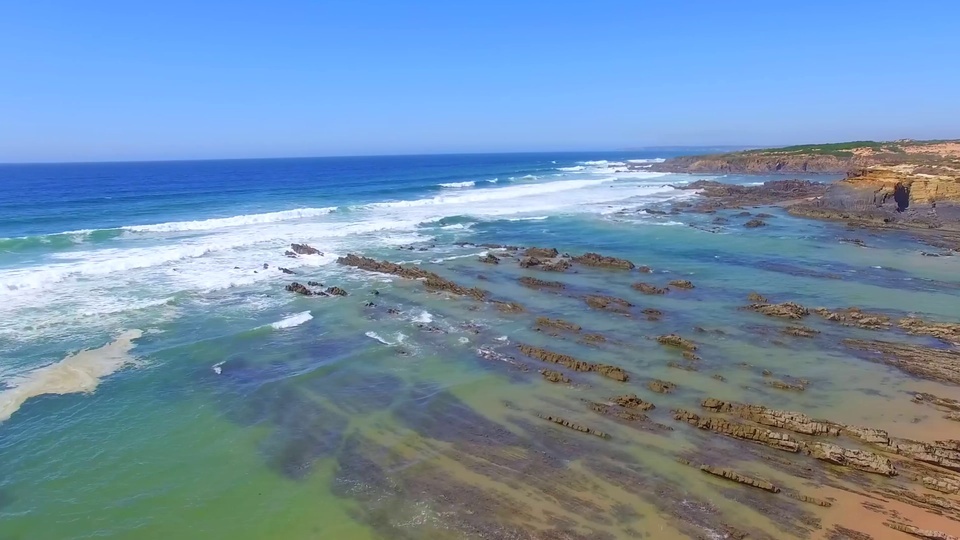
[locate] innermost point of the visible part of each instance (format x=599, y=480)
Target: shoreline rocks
x=601, y=261
x=611, y=372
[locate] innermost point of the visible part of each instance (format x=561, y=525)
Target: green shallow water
x=322, y=431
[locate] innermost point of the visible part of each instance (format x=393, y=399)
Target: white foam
x=575, y=168
x=458, y=184
x=218, y=367
x=532, y=218
x=652, y=160
x=78, y=372
x=424, y=317
x=463, y=340
x=233, y=221
x=493, y=181
x=291, y=321
x=373, y=335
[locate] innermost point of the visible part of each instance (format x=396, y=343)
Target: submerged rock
x=682, y=284
x=644, y=269
x=661, y=387
x=574, y=426
x=535, y=283
x=490, y=258
x=646, y=288
x=754, y=223
x=673, y=340
x=285, y=270
x=800, y=331
x=595, y=259
x=927, y=362
x=756, y=298
x=508, y=307
x=554, y=376
x=559, y=324
x=608, y=303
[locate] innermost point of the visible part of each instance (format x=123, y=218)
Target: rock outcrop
x=597, y=260
x=682, y=284
x=541, y=253
x=299, y=289
x=305, y=249
x=946, y=332
x=558, y=324
x=608, y=303
x=336, y=291
x=786, y=310
x=490, y=258
x=661, y=387
x=612, y=372
x=857, y=459
x=730, y=474
x=631, y=401
x=431, y=280
x=789, y=420
x=780, y=441
x=646, y=288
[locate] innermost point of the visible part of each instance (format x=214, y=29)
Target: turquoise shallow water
x=245, y=411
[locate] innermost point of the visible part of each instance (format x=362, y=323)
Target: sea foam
x=458, y=184
x=293, y=320
x=233, y=221
x=78, y=372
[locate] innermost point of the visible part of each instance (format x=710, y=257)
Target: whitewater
x=141, y=275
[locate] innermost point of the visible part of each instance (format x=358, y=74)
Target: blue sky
x=103, y=80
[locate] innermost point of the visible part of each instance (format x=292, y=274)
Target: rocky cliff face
x=920, y=188
x=750, y=163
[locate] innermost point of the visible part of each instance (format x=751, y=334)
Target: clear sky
x=105, y=80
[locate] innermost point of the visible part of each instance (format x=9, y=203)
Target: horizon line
x=418, y=154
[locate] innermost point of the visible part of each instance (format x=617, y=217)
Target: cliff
x=922, y=172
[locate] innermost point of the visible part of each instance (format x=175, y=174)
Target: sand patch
x=77, y=372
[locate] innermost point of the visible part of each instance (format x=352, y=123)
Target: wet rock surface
x=612, y=372
x=601, y=261
x=608, y=303
x=927, y=362
x=305, y=249
x=535, y=283
x=673, y=340
x=682, y=284
x=786, y=310
x=646, y=288
x=661, y=387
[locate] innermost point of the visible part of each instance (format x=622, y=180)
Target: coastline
x=597, y=367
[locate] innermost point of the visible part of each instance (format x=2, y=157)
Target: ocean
x=157, y=380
